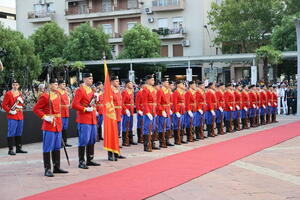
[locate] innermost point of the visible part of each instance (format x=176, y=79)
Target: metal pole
x=297, y=21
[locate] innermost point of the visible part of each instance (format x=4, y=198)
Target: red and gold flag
x=111, y=138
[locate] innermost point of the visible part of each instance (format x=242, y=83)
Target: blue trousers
x=119, y=128
x=198, y=119
x=100, y=120
x=51, y=141
x=244, y=114
x=146, y=125
x=257, y=112
x=262, y=111
x=87, y=134
x=139, y=121
x=160, y=123
x=187, y=120
x=235, y=114
x=65, y=123
x=175, y=121
x=15, y=128
x=274, y=110
x=252, y=112
x=208, y=117
x=219, y=116
x=227, y=115
x=126, y=119
x=268, y=110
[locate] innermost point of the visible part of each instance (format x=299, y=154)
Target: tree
x=59, y=66
x=140, y=42
x=269, y=55
x=77, y=66
x=292, y=6
x=244, y=25
x=49, y=41
x=87, y=43
x=19, y=57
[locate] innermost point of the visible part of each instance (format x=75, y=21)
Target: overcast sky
x=8, y=3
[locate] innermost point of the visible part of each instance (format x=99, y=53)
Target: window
x=130, y=25
x=107, y=28
x=106, y=6
x=41, y=10
x=175, y=2
x=131, y=4
x=162, y=23
x=162, y=2
x=177, y=24
x=50, y=7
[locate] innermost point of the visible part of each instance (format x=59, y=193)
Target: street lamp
x=297, y=22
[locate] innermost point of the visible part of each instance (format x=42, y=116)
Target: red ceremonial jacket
x=10, y=98
x=190, y=100
x=65, y=103
x=178, y=101
x=49, y=105
x=128, y=101
x=229, y=101
x=82, y=98
x=275, y=99
x=262, y=98
x=252, y=99
x=164, y=101
x=245, y=100
x=211, y=100
x=149, y=100
x=99, y=104
x=139, y=100
x=117, y=98
x=237, y=99
x=200, y=100
x=269, y=98
x=220, y=99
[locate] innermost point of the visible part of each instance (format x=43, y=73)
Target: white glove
x=97, y=96
x=20, y=99
x=254, y=106
x=12, y=112
x=127, y=112
x=19, y=107
x=150, y=116
x=230, y=108
x=171, y=112
x=269, y=104
x=200, y=111
x=190, y=114
x=213, y=113
x=238, y=107
x=140, y=112
x=164, y=114
x=48, y=119
x=178, y=115
x=246, y=109
x=275, y=104
x=264, y=106
x=97, y=114
x=89, y=109
x=221, y=109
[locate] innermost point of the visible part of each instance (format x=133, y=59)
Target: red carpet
x=156, y=176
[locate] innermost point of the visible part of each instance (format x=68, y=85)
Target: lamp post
x=297, y=22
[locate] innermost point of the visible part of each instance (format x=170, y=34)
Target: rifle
x=127, y=133
x=149, y=138
x=142, y=134
x=238, y=121
x=213, y=126
x=178, y=132
x=222, y=124
x=191, y=137
x=202, y=127
x=230, y=122
x=163, y=140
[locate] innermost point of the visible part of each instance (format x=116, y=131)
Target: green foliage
x=49, y=41
x=20, y=54
x=77, y=66
x=292, y=6
x=87, y=43
x=140, y=42
x=244, y=25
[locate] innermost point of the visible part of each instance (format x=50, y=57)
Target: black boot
x=139, y=135
x=161, y=142
x=209, y=130
x=218, y=128
x=188, y=135
x=181, y=136
x=153, y=144
x=227, y=126
x=131, y=138
x=119, y=156
x=176, y=138
x=56, y=163
x=124, y=142
x=197, y=132
x=10, y=146
x=110, y=156
x=82, y=163
x=18, y=140
x=251, y=122
x=90, y=156
x=47, y=164
x=168, y=133
x=146, y=143
x=235, y=124
x=100, y=133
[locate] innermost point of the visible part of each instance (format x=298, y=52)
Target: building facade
x=8, y=17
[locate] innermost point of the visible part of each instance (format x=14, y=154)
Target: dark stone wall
x=32, y=128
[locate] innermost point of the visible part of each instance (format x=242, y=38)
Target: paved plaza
x=271, y=174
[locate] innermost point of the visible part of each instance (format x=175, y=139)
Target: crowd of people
x=186, y=111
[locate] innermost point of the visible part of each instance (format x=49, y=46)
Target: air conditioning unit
x=148, y=11
x=150, y=19
x=186, y=43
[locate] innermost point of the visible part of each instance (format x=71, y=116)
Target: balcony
x=82, y=11
x=167, y=34
x=115, y=38
x=42, y=16
x=168, y=5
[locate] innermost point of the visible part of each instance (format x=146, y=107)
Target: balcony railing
x=167, y=31
x=165, y=5
x=86, y=10
x=40, y=14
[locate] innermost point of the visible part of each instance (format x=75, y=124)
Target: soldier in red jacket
x=229, y=107
x=190, y=110
x=274, y=103
x=220, y=108
x=84, y=103
x=178, y=112
x=252, y=105
x=164, y=113
x=263, y=105
x=245, y=106
x=48, y=108
x=65, y=104
x=13, y=103
x=139, y=110
x=127, y=114
x=99, y=108
x=269, y=100
x=210, y=115
x=149, y=112
x=201, y=109
x=237, y=112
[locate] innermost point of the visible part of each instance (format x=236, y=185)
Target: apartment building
x=8, y=17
